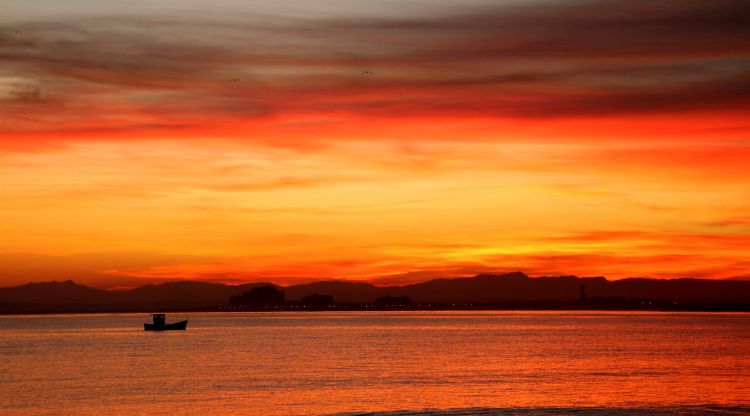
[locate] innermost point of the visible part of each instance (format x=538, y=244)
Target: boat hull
x=177, y=326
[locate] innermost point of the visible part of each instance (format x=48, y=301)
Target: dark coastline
x=505, y=306
x=510, y=291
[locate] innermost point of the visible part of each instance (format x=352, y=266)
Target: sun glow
x=144, y=151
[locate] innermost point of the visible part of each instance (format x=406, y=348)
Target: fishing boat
x=160, y=324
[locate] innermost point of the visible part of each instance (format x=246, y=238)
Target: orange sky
x=241, y=141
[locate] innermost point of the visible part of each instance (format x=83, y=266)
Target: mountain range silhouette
x=484, y=288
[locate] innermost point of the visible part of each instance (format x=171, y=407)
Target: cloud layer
x=157, y=73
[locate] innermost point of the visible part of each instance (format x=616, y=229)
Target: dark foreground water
x=399, y=363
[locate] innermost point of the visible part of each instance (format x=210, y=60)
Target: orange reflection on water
x=319, y=363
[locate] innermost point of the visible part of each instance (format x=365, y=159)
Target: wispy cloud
x=547, y=60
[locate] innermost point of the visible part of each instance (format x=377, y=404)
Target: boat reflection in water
x=160, y=324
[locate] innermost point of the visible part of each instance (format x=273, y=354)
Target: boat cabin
x=160, y=319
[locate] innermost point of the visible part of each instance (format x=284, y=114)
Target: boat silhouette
x=160, y=324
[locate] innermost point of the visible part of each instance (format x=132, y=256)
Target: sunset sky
x=386, y=141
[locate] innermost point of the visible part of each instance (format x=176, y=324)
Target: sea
x=378, y=363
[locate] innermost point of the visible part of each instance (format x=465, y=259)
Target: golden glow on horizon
x=146, y=151
x=222, y=210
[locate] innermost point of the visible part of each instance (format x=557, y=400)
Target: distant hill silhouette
x=519, y=287
x=499, y=288
x=69, y=295
x=342, y=291
x=259, y=296
x=56, y=293
x=486, y=288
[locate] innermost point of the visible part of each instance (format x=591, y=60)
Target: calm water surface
x=420, y=362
